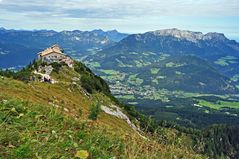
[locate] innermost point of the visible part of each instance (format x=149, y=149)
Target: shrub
x=23, y=75
x=56, y=67
x=94, y=111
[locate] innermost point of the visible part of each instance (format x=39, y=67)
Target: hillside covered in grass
x=65, y=119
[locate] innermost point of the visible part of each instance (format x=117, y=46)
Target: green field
x=141, y=63
x=237, y=86
x=95, y=64
x=235, y=78
x=154, y=70
x=171, y=64
x=219, y=105
x=110, y=72
x=128, y=97
x=148, y=53
x=163, y=56
x=134, y=80
x=155, y=81
x=179, y=73
x=121, y=64
x=157, y=96
x=225, y=61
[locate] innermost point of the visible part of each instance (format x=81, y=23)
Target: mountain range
x=164, y=72
x=23, y=45
x=178, y=58
x=210, y=46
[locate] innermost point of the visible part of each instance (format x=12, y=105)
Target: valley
x=165, y=84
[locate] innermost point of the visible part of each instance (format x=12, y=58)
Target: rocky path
x=48, y=70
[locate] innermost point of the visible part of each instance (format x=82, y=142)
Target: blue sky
x=131, y=16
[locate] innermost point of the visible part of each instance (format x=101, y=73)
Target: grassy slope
x=34, y=128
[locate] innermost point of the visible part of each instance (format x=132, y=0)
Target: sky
x=129, y=16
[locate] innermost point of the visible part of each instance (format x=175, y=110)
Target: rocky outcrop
x=116, y=111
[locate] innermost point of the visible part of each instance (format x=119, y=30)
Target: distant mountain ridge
x=114, y=35
x=189, y=35
x=211, y=46
x=175, y=41
x=24, y=44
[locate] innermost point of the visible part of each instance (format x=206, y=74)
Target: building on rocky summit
x=55, y=54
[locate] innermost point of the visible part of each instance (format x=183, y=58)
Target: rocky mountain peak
x=189, y=35
x=214, y=35
x=98, y=31
x=180, y=34
x=113, y=31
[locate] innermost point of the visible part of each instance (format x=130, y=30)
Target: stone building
x=55, y=54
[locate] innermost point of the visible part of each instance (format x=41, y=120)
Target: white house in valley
x=55, y=54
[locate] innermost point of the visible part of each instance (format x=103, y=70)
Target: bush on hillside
x=56, y=66
x=22, y=75
x=94, y=111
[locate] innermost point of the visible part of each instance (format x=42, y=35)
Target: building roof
x=52, y=49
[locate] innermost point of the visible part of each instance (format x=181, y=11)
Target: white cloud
x=128, y=8
x=126, y=15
